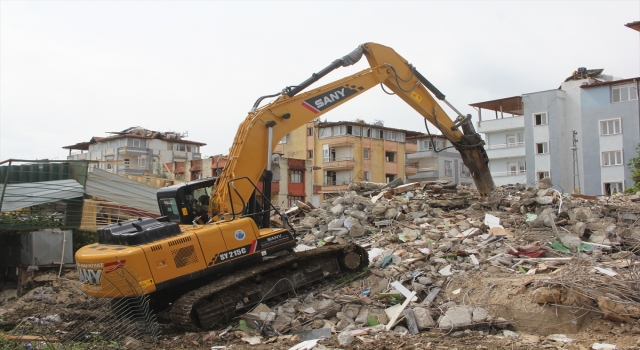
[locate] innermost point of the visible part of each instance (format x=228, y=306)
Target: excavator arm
x=251, y=151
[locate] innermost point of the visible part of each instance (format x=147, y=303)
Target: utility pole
x=576, y=170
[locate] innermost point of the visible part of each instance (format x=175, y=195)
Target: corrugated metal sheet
x=105, y=185
x=23, y=195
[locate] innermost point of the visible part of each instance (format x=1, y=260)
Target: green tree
x=634, y=166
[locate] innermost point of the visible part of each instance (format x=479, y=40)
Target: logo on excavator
x=88, y=275
x=330, y=98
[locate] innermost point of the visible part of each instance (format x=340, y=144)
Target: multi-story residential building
x=581, y=135
x=610, y=134
x=436, y=159
x=504, y=139
x=342, y=152
x=136, y=150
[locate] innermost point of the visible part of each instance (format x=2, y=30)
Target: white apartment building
x=581, y=135
x=136, y=150
x=504, y=139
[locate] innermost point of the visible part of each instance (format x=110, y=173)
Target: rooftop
x=511, y=105
x=135, y=132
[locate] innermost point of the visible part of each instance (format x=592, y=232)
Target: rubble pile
x=423, y=237
x=521, y=267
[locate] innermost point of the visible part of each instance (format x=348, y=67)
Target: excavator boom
x=253, y=144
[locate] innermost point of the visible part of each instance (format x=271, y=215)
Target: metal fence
x=94, y=323
x=41, y=193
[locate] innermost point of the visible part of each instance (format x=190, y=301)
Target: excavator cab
x=187, y=202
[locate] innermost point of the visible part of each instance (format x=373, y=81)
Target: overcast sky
x=70, y=70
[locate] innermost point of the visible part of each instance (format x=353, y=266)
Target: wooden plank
x=28, y=338
x=575, y=195
x=404, y=306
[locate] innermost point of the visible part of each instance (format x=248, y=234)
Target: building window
x=180, y=147
x=196, y=175
x=425, y=145
x=126, y=163
x=464, y=171
x=522, y=167
x=367, y=176
x=142, y=161
x=339, y=130
x=389, y=177
x=611, y=158
x=511, y=140
x=542, y=147
x=366, y=132
x=610, y=127
x=293, y=200
x=389, y=135
x=310, y=154
x=324, y=132
x=353, y=130
x=330, y=178
x=130, y=142
x=377, y=134
x=366, y=152
x=624, y=92
x=309, y=131
x=328, y=154
x=390, y=156
x=540, y=118
x=295, y=176
x=542, y=174
x=611, y=188
x=512, y=168
x=284, y=139
x=400, y=137
x=448, y=168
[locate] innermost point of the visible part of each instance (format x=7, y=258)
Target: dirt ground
x=506, y=295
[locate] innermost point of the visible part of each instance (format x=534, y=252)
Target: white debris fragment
x=560, y=338
x=446, y=271
x=492, y=221
x=474, y=259
x=403, y=290
x=598, y=346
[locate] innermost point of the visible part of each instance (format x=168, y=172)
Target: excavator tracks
x=205, y=306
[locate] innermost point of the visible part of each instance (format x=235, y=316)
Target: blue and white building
x=535, y=138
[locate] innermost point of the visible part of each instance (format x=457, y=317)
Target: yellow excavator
x=214, y=252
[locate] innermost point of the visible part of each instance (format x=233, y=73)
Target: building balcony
x=509, y=177
x=346, y=140
x=422, y=154
x=515, y=150
x=342, y=182
x=501, y=124
x=131, y=171
x=132, y=150
x=339, y=164
x=179, y=154
x=410, y=148
x=333, y=188
x=425, y=175
x=410, y=170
